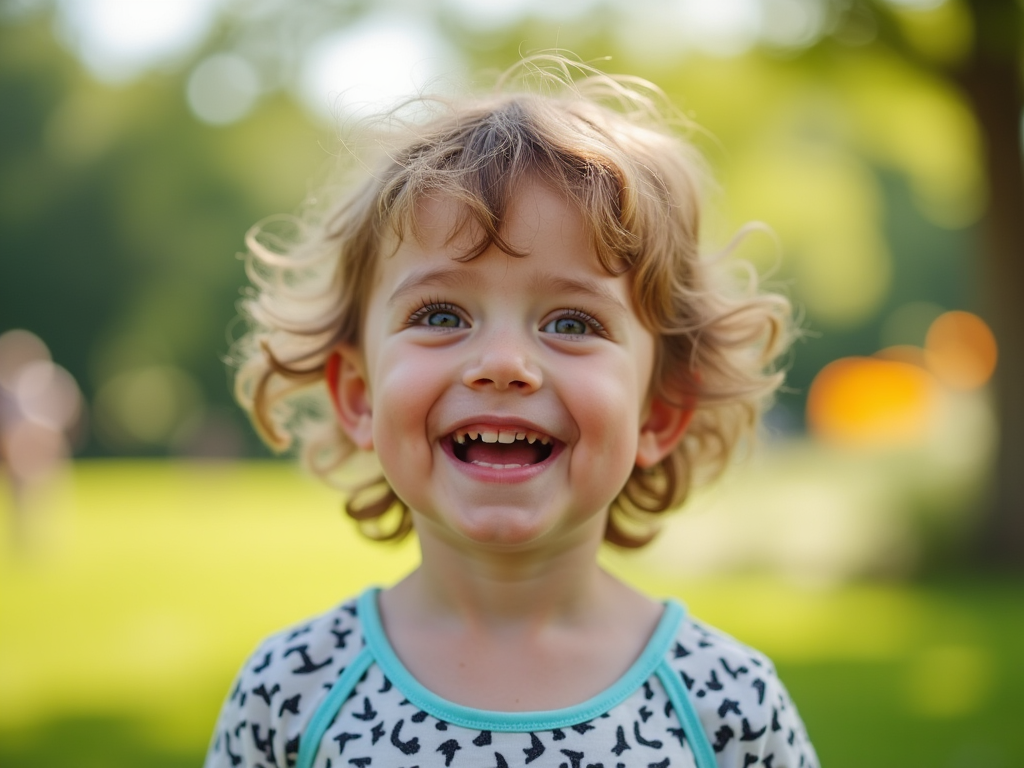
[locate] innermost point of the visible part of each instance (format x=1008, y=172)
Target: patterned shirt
x=696, y=698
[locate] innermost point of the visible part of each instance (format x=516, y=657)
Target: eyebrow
x=582, y=286
x=545, y=281
x=438, y=276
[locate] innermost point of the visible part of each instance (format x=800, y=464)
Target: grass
x=141, y=586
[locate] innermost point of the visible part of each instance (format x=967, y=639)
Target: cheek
x=607, y=413
x=403, y=395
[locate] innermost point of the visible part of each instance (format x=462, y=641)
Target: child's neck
x=515, y=633
x=482, y=587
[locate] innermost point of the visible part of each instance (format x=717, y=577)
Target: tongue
x=519, y=452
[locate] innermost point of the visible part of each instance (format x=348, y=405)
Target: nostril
x=513, y=384
x=502, y=372
x=500, y=383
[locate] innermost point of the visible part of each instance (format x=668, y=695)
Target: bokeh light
x=40, y=407
x=222, y=89
x=871, y=402
x=18, y=348
x=961, y=350
x=118, y=39
x=371, y=66
x=791, y=23
x=894, y=397
x=489, y=15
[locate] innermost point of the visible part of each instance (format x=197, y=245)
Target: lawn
x=141, y=586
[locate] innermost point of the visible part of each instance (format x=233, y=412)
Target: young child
x=511, y=312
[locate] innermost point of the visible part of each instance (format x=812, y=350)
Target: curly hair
x=609, y=144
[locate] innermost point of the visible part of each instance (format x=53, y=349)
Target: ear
x=345, y=376
x=662, y=430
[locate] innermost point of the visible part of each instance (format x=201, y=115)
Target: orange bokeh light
x=961, y=350
x=872, y=402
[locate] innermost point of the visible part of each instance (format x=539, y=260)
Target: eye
x=566, y=325
x=443, y=319
x=573, y=322
x=437, y=315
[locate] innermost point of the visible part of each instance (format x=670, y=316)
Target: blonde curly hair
x=608, y=144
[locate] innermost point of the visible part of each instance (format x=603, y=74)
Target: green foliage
x=122, y=219
x=122, y=214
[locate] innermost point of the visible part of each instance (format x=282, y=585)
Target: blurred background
x=873, y=545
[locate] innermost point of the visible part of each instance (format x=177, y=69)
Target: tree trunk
x=991, y=79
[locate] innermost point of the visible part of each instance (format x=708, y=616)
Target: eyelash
x=585, y=318
x=431, y=306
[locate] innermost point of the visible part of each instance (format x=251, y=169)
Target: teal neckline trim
x=702, y=750
x=309, y=743
x=522, y=722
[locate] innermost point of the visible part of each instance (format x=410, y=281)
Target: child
x=512, y=314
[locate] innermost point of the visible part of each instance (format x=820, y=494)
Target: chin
x=502, y=526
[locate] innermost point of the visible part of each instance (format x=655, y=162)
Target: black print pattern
x=747, y=716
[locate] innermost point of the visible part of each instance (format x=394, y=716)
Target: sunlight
x=118, y=39
x=723, y=28
x=485, y=14
x=371, y=66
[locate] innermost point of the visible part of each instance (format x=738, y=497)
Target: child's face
x=543, y=353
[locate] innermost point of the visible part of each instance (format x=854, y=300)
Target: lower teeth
x=496, y=466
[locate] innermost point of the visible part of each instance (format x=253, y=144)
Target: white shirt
x=383, y=718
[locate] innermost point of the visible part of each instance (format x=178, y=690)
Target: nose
x=503, y=362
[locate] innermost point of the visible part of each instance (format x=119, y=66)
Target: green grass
x=140, y=587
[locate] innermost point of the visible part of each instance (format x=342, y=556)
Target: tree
x=989, y=74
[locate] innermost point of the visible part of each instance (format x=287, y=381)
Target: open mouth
x=501, y=448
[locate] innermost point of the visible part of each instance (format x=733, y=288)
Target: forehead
x=536, y=215
x=550, y=247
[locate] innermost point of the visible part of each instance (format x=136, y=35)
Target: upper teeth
x=500, y=436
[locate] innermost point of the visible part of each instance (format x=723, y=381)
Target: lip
x=522, y=425
x=493, y=474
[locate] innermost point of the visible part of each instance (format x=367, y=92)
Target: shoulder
x=745, y=709
x=279, y=687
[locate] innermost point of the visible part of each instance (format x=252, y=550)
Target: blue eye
x=442, y=319
x=573, y=323
x=440, y=315
x=568, y=325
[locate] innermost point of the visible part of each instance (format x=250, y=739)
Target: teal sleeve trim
x=702, y=751
x=520, y=722
x=309, y=743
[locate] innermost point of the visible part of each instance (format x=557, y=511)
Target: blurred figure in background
x=40, y=418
